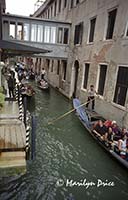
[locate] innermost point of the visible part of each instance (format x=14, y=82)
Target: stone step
x=12, y=159
x=11, y=156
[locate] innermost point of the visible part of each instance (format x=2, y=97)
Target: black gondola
x=27, y=91
x=45, y=86
x=88, y=119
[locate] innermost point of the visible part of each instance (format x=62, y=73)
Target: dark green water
x=64, y=151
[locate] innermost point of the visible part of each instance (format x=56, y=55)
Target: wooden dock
x=12, y=138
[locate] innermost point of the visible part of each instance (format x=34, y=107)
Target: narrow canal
x=64, y=151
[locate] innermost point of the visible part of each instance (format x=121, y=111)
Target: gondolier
x=43, y=72
x=91, y=96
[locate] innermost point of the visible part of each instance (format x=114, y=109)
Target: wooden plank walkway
x=12, y=135
x=12, y=138
x=10, y=110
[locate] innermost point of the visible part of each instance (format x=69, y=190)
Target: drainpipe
x=0, y=27
x=0, y=21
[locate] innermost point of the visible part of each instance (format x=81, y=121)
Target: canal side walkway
x=12, y=138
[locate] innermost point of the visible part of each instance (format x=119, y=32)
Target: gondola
x=88, y=119
x=27, y=91
x=44, y=87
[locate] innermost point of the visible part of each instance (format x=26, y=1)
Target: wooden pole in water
x=33, y=138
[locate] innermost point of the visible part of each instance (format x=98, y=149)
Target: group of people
x=27, y=89
x=113, y=136
x=108, y=131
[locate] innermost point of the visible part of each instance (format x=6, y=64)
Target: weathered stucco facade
x=107, y=47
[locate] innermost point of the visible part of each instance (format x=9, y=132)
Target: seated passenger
x=110, y=135
x=116, y=130
x=108, y=123
x=122, y=146
x=42, y=83
x=124, y=132
x=100, y=130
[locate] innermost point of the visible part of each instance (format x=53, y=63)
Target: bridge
x=50, y=35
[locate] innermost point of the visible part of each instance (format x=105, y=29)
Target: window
x=26, y=32
x=40, y=33
x=121, y=86
x=55, y=9
x=78, y=33
x=66, y=32
x=20, y=31
x=47, y=34
x=111, y=23
x=86, y=72
x=126, y=31
x=58, y=67
x=64, y=62
x=65, y=3
x=60, y=35
x=77, y=1
x=92, y=29
x=34, y=33
x=71, y=6
x=52, y=65
x=47, y=63
x=12, y=30
x=59, y=8
x=53, y=35
x=102, y=78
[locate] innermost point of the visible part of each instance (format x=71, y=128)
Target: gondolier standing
x=43, y=72
x=91, y=96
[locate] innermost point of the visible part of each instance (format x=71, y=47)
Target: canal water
x=65, y=154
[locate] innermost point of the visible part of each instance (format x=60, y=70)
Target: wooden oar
x=67, y=113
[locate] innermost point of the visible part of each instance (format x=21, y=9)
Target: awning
x=15, y=49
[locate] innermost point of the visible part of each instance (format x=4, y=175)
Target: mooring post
x=20, y=108
x=33, y=137
x=25, y=109
x=18, y=92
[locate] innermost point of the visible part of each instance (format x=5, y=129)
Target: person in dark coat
x=11, y=86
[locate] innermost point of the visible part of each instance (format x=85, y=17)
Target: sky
x=20, y=7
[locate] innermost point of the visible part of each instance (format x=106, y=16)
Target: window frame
x=71, y=4
x=52, y=66
x=64, y=73
x=83, y=76
x=80, y=33
x=65, y=4
x=59, y=5
x=92, y=18
x=126, y=99
x=58, y=67
x=107, y=20
x=98, y=78
x=126, y=30
x=77, y=2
